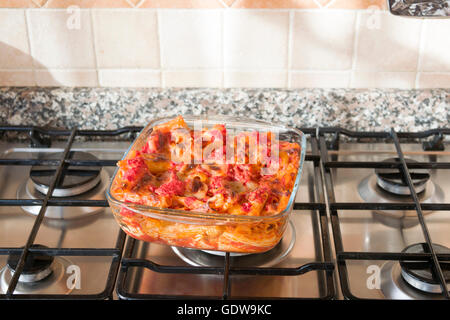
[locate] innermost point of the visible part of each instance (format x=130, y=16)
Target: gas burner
x=205, y=258
x=392, y=180
x=41, y=274
x=419, y=277
x=370, y=191
x=36, y=267
x=78, y=183
x=75, y=181
x=400, y=281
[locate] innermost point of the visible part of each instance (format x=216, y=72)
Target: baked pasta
x=245, y=179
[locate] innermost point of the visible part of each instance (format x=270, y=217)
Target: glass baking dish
x=208, y=231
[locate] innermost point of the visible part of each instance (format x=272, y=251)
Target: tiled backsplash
x=241, y=43
x=197, y=4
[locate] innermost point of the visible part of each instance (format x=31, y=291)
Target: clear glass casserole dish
x=215, y=231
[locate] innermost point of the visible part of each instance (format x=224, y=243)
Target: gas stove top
x=371, y=221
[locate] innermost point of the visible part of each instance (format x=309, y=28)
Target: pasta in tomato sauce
x=208, y=171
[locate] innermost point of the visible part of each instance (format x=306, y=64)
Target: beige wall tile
x=256, y=39
x=387, y=43
x=191, y=38
x=88, y=3
x=323, y=40
x=436, y=46
x=254, y=53
x=55, y=45
x=17, y=4
x=358, y=4
x=255, y=79
x=193, y=78
x=323, y=3
x=130, y=78
x=227, y=3
x=39, y=3
x=401, y=80
x=274, y=4
x=311, y=79
x=126, y=39
x=186, y=4
x=66, y=78
x=308, y=4
x=14, y=50
x=433, y=80
x=16, y=78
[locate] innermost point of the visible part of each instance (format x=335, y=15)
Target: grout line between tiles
x=320, y=71
x=355, y=50
x=94, y=46
x=50, y=70
x=211, y=9
x=17, y=70
x=28, y=29
x=222, y=49
x=130, y=69
x=290, y=47
x=420, y=53
x=139, y=4
x=258, y=70
x=39, y=5
x=66, y=68
x=328, y=4
x=208, y=69
x=161, y=51
x=223, y=3
x=131, y=4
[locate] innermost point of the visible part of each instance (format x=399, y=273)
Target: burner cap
x=419, y=274
x=37, y=265
x=54, y=283
x=75, y=180
x=392, y=180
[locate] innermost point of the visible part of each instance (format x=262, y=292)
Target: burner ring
x=27, y=191
x=75, y=180
x=56, y=281
x=393, y=181
x=422, y=279
x=201, y=258
x=399, y=189
x=393, y=286
x=69, y=192
x=369, y=191
x=36, y=267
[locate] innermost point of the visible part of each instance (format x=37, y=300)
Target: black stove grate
x=121, y=255
x=323, y=162
x=42, y=137
x=330, y=161
x=318, y=208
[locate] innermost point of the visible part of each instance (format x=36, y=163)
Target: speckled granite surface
x=110, y=108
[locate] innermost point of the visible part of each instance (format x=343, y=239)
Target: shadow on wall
x=20, y=73
x=19, y=69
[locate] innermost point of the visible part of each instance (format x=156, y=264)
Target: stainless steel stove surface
x=343, y=213
x=301, y=245
x=64, y=227
x=387, y=231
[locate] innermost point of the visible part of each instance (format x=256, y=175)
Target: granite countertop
x=111, y=108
